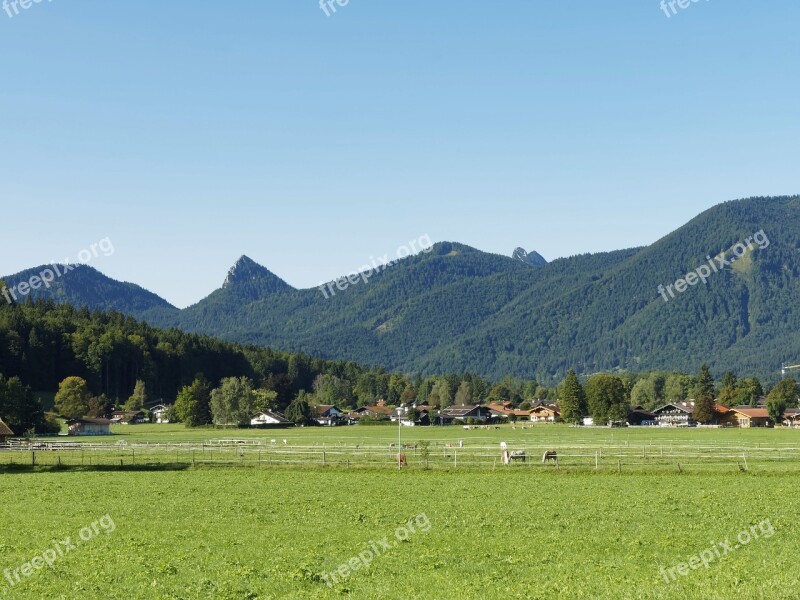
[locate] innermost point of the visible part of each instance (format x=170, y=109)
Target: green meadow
x=218, y=531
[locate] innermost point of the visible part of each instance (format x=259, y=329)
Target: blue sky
x=191, y=133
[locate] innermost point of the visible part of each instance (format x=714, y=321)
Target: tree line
x=94, y=362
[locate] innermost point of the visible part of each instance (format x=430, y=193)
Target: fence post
x=323, y=457
x=744, y=456
x=596, y=461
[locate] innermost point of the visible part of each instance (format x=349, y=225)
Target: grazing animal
x=518, y=455
x=550, y=455
x=273, y=441
x=285, y=442
x=401, y=458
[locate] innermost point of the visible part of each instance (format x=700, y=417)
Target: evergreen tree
x=703, y=409
x=193, y=404
x=139, y=397
x=705, y=383
x=573, y=399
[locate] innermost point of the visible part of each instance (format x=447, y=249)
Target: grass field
x=602, y=449
x=271, y=532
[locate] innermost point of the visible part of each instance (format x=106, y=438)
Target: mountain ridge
x=457, y=308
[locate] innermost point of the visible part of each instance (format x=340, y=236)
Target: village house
x=327, y=415
x=504, y=410
x=377, y=411
x=5, y=432
x=545, y=413
x=88, y=427
x=461, y=413
x=677, y=414
x=791, y=417
x=128, y=417
x=159, y=413
x=422, y=417
x=270, y=419
x=752, y=417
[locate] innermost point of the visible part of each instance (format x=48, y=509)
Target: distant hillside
x=459, y=309
x=82, y=285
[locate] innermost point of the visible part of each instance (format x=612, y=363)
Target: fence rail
x=610, y=457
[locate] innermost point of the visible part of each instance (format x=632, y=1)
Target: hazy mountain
x=456, y=308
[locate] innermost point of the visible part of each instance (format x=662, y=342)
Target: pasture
x=261, y=530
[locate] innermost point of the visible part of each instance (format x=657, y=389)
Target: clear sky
x=190, y=133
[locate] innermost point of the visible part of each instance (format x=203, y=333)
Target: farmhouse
x=159, y=413
x=680, y=414
x=128, y=417
x=752, y=417
x=545, y=413
x=791, y=417
x=422, y=418
x=461, y=413
x=88, y=427
x=378, y=411
x=504, y=410
x=270, y=419
x=327, y=415
x=5, y=432
x=677, y=414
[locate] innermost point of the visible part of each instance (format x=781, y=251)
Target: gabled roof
x=686, y=407
x=545, y=407
x=128, y=413
x=89, y=422
x=381, y=410
x=5, y=430
x=273, y=415
x=753, y=413
x=461, y=411
x=326, y=411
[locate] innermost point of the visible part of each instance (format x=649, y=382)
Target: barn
x=5, y=432
x=89, y=427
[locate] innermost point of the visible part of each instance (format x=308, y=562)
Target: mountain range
x=454, y=308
